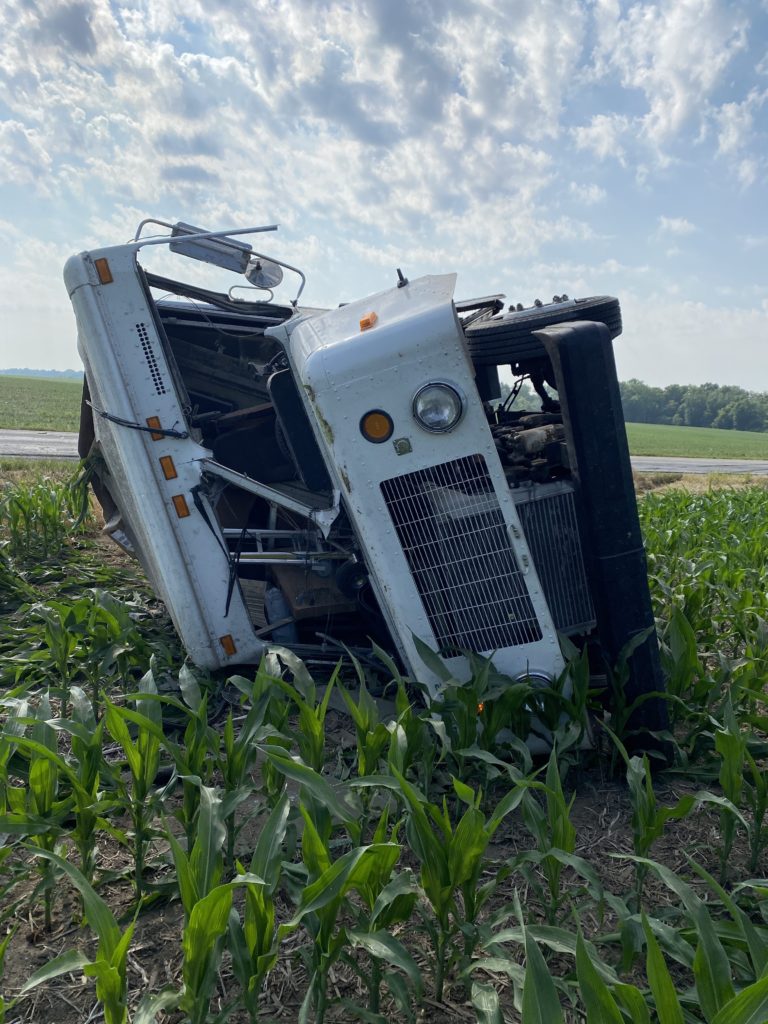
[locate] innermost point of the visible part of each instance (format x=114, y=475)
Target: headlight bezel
x=452, y=392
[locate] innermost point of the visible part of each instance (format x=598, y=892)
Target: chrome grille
x=548, y=517
x=455, y=540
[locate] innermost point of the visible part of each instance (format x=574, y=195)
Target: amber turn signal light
x=102, y=269
x=376, y=426
x=368, y=321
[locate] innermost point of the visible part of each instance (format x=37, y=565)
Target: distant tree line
x=695, y=405
x=681, y=405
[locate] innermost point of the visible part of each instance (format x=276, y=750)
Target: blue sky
x=535, y=147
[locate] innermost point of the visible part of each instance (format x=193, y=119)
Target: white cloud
x=667, y=341
x=676, y=226
x=589, y=195
x=437, y=135
x=604, y=136
x=675, y=52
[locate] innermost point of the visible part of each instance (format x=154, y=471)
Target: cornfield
x=285, y=846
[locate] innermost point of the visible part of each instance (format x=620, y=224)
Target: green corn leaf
x=395, y=900
x=559, y=940
x=541, y=1004
x=267, y=854
x=190, y=688
x=466, y=846
x=485, y=1001
x=118, y=730
x=344, y=874
x=205, y=861
x=600, y=1005
x=294, y=768
x=758, y=950
x=631, y=999
x=508, y=803
x=362, y=1014
x=750, y=1006
x=152, y=1003
x=384, y=946
x=314, y=850
x=711, y=968
x=207, y=923
x=72, y=960
x=184, y=875
x=663, y=989
x=433, y=661
x=431, y=851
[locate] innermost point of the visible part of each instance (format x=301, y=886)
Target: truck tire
x=508, y=338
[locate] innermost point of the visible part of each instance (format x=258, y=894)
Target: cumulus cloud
x=587, y=194
x=675, y=226
x=439, y=131
x=675, y=52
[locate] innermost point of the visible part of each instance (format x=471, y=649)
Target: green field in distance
x=35, y=403
x=696, y=442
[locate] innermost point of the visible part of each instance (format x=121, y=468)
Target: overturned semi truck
x=324, y=477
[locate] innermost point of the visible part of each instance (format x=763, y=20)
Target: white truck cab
x=319, y=478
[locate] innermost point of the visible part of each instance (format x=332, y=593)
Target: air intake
x=455, y=540
x=149, y=355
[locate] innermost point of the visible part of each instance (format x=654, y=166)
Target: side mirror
x=263, y=273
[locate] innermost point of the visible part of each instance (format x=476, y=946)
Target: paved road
x=51, y=444
x=38, y=444
x=659, y=464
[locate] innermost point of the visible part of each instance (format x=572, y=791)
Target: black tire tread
x=510, y=339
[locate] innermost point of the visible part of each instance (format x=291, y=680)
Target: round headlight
x=438, y=407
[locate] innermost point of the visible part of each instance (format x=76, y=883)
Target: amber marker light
x=368, y=321
x=102, y=269
x=181, y=506
x=377, y=426
x=169, y=470
x=228, y=644
x=153, y=422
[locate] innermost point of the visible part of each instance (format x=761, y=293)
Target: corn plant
x=387, y=901
x=239, y=750
x=194, y=759
x=143, y=758
x=109, y=965
x=37, y=518
x=451, y=860
x=86, y=741
x=84, y=801
x=649, y=818
x=4, y=1005
x=207, y=903
x=254, y=941
x=362, y=869
x=310, y=736
x=555, y=836
x=756, y=789
x=35, y=808
x=731, y=745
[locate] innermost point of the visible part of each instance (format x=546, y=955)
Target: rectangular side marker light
x=169, y=470
x=368, y=321
x=228, y=644
x=102, y=269
x=154, y=423
x=181, y=506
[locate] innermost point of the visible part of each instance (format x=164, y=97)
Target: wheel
x=508, y=338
